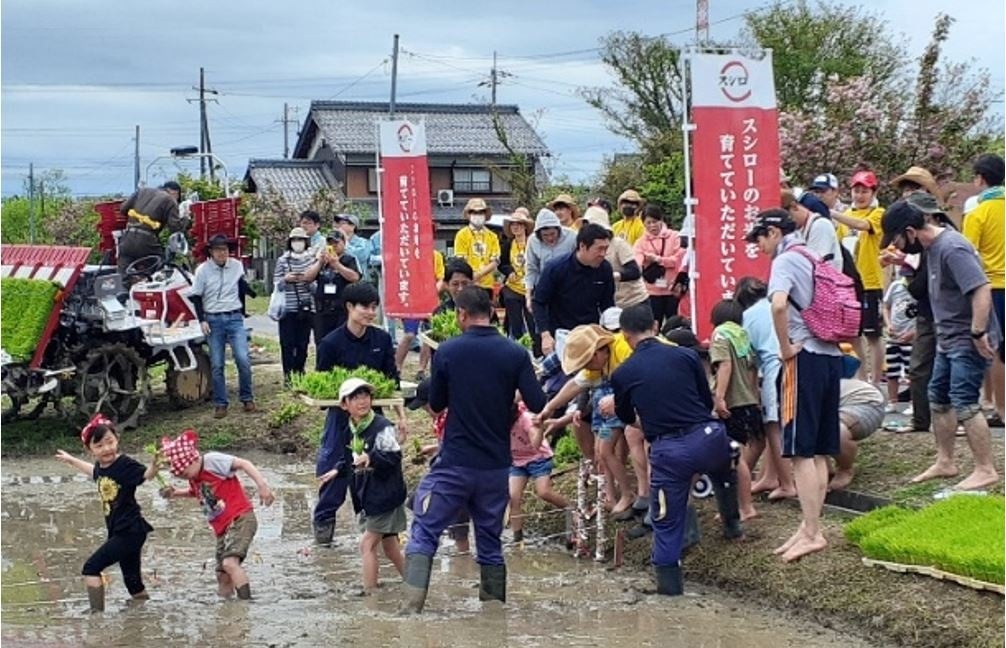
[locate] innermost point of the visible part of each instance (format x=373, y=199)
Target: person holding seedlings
x=358, y=343
x=213, y=481
x=117, y=476
x=531, y=458
x=472, y=467
x=378, y=485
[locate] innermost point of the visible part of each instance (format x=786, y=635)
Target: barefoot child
x=117, y=476
x=532, y=459
x=735, y=388
x=213, y=481
x=378, y=487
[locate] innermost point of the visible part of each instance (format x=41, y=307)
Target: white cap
x=349, y=386
x=609, y=318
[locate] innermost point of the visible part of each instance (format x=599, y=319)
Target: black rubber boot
x=244, y=592
x=96, y=598
x=692, y=533
x=669, y=580
x=323, y=533
x=726, y=501
x=417, y=582
x=493, y=586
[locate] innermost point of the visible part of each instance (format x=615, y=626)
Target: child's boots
x=669, y=580
x=323, y=533
x=493, y=587
x=726, y=502
x=96, y=598
x=417, y=582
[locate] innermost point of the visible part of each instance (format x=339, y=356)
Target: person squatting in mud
x=117, y=476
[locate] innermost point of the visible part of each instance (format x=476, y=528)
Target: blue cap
x=815, y=204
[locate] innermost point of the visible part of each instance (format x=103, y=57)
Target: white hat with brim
x=351, y=386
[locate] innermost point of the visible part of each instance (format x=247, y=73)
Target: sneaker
x=909, y=411
x=249, y=407
x=890, y=408
x=220, y=411
x=901, y=427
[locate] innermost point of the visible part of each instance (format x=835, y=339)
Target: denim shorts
x=533, y=469
x=957, y=382
x=413, y=326
x=602, y=425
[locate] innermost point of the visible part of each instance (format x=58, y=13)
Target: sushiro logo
x=734, y=81
x=405, y=138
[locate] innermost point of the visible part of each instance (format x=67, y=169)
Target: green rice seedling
x=324, y=385
x=864, y=525
x=32, y=302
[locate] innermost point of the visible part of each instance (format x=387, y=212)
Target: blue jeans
x=229, y=329
x=957, y=382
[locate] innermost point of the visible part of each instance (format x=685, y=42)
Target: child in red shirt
x=213, y=481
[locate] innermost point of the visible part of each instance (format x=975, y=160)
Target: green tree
x=814, y=45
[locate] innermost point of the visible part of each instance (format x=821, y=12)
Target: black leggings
x=125, y=549
x=664, y=307
x=294, y=336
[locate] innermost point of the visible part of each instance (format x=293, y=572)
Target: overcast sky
x=78, y=76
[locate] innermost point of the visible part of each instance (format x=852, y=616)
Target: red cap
x=866, y=178
x=96, y=420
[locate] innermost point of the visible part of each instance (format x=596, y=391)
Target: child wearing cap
x=117, y=476
x=378, y=487
x=532, y=459
x=213, y=481
x=900, y=309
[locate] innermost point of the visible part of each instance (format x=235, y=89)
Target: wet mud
x=306, y=596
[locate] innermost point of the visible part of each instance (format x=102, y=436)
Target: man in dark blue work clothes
x=684, y=437
x=475, y=377
x=357, y=343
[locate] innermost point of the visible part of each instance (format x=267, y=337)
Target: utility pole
x=702, y=22
x=286, y=121
x=204, y=125
x=136, y=159
x=495, y=75
x=394, y=77
x=31, y=202
x=492, y=79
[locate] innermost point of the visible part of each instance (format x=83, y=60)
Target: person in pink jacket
x=660, y=255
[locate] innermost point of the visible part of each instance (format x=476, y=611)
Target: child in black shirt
x=117, y=477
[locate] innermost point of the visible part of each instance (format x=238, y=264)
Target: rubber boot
x=323, y=533
x=96, y=597
x=417, y=582
x=692, y=533
x=726, y=502
x=669, y=580
x=493, y=586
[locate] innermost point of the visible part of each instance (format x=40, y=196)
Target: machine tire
x=188, y=388
x=111, y=379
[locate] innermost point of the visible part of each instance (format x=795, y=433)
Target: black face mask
x=629, y=211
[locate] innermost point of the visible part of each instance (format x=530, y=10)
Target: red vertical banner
x=735, y=157
x=406, y=222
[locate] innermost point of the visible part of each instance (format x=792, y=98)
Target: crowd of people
x=775, y=401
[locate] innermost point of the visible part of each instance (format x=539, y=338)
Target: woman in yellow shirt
x=517, y=227
x=477, y=245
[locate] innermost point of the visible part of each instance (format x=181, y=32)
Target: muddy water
x=51, y=521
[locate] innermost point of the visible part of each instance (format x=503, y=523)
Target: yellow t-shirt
x=868, y=247
x=985, y=227
x=478, y=248
x=630, y=229
x=438, y=265
x=620, y=352
x=518, y=261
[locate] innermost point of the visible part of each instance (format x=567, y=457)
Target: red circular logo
x=734, y=82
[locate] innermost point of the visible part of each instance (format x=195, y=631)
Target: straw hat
x=581, y=345
x=919, y=176
x=597, y=216
x=477, y=204
x=565, y=199
x=519, y=216
x=630, y=195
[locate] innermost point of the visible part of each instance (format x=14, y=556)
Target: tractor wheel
x=192, y=387
x=17, y=404
x=111, y=379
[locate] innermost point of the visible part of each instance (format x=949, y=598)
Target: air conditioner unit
x=445, y=197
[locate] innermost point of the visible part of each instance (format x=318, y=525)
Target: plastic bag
x=277, y=305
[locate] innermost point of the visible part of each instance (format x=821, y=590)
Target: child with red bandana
x=213, y=481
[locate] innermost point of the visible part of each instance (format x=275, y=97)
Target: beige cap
x=597, y=216
x=477, y=204
x=350, y=385
x=630, y=195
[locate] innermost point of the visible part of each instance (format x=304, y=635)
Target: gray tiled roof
x=441, y=213
x=296, y=180
x=348, y=127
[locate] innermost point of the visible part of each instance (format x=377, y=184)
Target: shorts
x=872, y=325
x=811, y=387
x=957, y=381
x=413, y=326
x=389, y=523
x=862, y=420
x=745, y=423
x=999, y=308
x=236, y=539
x=603, y=426
x=533, y=469
x=770, y=396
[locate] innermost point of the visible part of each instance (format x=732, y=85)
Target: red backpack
x=834, y=312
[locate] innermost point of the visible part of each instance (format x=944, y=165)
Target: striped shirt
x=299, y=296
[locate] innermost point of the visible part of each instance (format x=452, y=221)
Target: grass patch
x=962, y=535
x=267, y=344
x=218, y=440
x=257, y=305
x=567, y=451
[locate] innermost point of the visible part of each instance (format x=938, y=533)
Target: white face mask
x=477, y=220
x=298, y=246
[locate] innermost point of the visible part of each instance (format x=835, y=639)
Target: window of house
x=472, y=180
x=372, y=180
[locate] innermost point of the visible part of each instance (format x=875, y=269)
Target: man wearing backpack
x=812, y=367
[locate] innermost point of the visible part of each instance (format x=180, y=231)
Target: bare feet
x=781, y=494
x=841, y=480
x=784, y=547
x=225, y=591
x=622, y=506
x=936, y=471
x=978, y=479
x=749, y=514
x=804, y=546
x=762, y=486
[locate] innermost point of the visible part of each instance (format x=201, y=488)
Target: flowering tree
x=269, y=215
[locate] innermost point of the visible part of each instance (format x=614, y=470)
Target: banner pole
x=686, y=128
x=380, y=226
